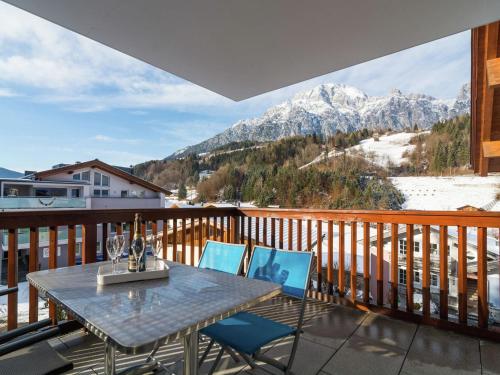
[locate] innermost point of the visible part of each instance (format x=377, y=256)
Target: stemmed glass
x=120, y=246
x=156, y=243
x=138, y=245
x=112, y=251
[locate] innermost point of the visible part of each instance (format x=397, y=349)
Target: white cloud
x=7, y=93
x=58, y=66
x=102, y=138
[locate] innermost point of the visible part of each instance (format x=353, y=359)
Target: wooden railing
x=374, y=252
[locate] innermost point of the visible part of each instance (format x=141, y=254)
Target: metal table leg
x=191, y=354
x=109, y=359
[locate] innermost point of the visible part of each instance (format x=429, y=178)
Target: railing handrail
x=450, y=218
x=48, y=218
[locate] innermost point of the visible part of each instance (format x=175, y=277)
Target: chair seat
x=37, y=359
x=246, y=332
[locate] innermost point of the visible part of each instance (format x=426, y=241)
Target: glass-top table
x=138, y=317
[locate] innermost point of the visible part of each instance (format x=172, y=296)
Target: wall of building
x=116, y=185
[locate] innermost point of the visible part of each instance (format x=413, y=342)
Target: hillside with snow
x=383, y=151
x=449, y=193
x=329, y=108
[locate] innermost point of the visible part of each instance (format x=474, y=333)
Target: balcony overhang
x=240, y=49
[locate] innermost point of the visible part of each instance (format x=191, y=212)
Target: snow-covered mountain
x=329, y=108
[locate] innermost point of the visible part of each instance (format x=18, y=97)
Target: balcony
x=31, y=203
x=356, y=321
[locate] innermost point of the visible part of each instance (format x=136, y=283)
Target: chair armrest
x=4, y=292
x=63, y=327
x=10, y=335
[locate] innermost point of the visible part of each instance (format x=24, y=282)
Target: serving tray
x=154, y=270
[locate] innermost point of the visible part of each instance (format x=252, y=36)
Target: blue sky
x=65, y=98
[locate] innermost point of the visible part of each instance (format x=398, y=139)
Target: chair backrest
x=288, y=268
x=224, y=257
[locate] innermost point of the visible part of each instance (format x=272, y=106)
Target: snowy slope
x=447, y=193
x=389, y=148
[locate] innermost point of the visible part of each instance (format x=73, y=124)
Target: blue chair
x=246, y=333
x=223, y=257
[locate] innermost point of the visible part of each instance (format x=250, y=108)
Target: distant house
x=92, y=184
x=88, y=185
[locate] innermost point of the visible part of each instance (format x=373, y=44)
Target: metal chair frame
x=250, y=360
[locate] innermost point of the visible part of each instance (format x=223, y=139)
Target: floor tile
x=386, y=330
x=360, y=355
x=435, y=351
x=309, y=358
x=333, y=328
x=490, y=357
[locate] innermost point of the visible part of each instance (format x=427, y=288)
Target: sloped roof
x=96, y=163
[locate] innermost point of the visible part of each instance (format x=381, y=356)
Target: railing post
x=12, y=279
x=52, y=265
x=104, y=236
x=290, y=233
x=329, y=269
x=341, y=258
x=183, y=240
x=192, y=233
x=234, y=230
x=174, y=240
x=426, y=271
x=482, y=286
x=394, y=266
x=281, y=225
x=71, y=245
x=354, y=259
x=273, y=232
x=89, y=243
x=366, y=262
x=443, y=272
x=462, y=274
x=33, y=266
x=410, y=244
x=380, y=264
x=200, y=237
x=319, y=254
x=299, y=235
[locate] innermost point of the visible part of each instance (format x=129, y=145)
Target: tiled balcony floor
x=336, y=340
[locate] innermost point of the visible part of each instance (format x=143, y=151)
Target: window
x=97, y=179
x=402, y=277
x=124, y=193
x=75, y=193
x=76, y=177
x=434, y=248
x=434, y=279
x=97, y=193
x=417, y=277
x=86, y=176
x=402, y=247
x=78, y=250
x=416, y=246
x=105, y=180
x=104, y=193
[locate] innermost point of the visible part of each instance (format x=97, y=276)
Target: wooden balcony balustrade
x=368, y=230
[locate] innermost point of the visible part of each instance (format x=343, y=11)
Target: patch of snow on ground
x=447, y=193
x=389, y=148
x=23, y=305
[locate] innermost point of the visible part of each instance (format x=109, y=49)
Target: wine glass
x=138, y=247
x=119, y=242
x=156, y=243
x=111, y=249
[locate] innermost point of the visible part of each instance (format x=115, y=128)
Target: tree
x=182, y=194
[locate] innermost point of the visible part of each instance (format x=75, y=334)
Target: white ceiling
x=240, y=49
